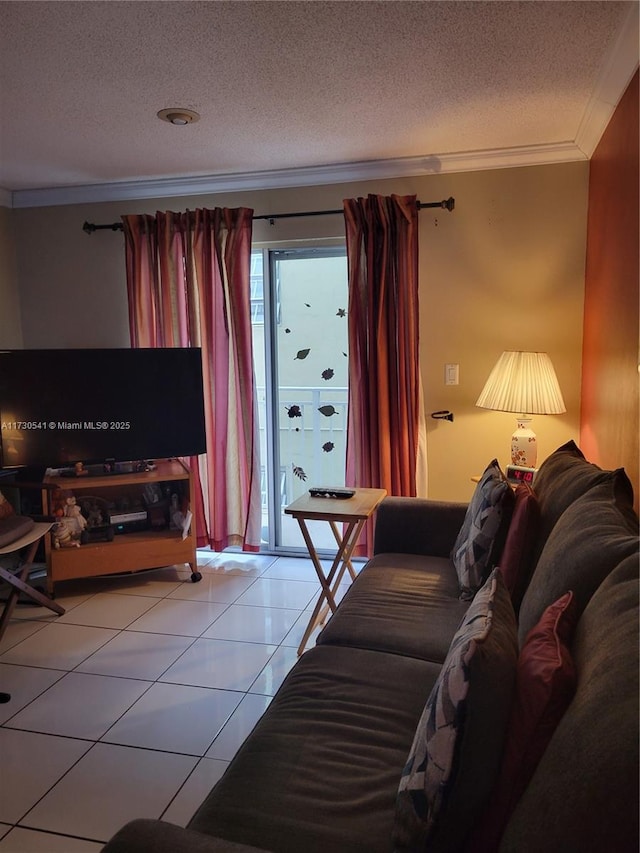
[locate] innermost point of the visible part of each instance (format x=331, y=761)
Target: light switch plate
x=451, y=374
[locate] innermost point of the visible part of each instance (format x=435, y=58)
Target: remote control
x=338, y=492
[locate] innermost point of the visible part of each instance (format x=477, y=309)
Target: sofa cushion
x=400, y=603
x=320, y=770
x=563, y=477
x=417, y=526
x=456, y=751
x=545, y=685
x=159, y=836
x=591, y=537
x=584, y=794
x=516, y=560
x=481, y=537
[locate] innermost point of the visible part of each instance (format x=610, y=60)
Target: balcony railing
x=312, y=423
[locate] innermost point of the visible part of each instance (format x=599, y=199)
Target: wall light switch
x=451, y=374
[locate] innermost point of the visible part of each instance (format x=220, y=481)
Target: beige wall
x=504, y=271
x=10, y=322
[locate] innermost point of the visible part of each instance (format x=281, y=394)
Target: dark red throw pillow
x=517, y=554
x=545, y=686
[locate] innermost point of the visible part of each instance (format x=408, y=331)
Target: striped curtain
x=188, y=285
x=386, y=431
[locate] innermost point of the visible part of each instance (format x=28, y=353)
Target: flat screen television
x=63, y=406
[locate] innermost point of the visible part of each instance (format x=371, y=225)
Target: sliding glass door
x=299, y=308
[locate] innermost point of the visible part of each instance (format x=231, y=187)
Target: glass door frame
x=271, y=256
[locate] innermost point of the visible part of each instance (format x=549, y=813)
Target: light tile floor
x=133, y=703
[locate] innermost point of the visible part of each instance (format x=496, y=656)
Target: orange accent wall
x=610, y=379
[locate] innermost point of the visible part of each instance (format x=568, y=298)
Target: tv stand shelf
x=127, y=552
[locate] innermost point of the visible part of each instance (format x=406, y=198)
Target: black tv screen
x=63, y=406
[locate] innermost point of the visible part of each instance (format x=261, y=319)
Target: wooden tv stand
x=126, y=552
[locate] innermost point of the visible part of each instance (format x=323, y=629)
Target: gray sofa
x=321, y=769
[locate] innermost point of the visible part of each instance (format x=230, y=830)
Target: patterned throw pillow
x=545, y=685
x=456, y=751
x=481, y=537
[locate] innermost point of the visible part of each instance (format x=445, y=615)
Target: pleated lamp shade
x=525, y=383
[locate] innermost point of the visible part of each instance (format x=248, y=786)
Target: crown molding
x=465, y=161
x=612, y=83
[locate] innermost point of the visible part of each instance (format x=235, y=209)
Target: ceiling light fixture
x=178, y=116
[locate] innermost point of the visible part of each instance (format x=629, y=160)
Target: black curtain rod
x=446, y=204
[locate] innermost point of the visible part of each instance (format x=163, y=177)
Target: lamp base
x=524, y=447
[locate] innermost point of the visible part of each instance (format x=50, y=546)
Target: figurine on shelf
x=58, y=501
x=62, y=536
x=176, y=516
x=94, y=516
x=69, y=529
x=74, y=518
x=95, y=512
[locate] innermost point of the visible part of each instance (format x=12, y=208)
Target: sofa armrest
x=144, y=836
x=417, y=526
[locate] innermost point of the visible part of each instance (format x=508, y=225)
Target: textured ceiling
x=282, y=85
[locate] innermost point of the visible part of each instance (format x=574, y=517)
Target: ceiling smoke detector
x=178, y=116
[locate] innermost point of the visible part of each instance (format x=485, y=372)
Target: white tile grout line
x=94, y=742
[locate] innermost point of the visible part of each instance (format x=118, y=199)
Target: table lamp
x=526, y=383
